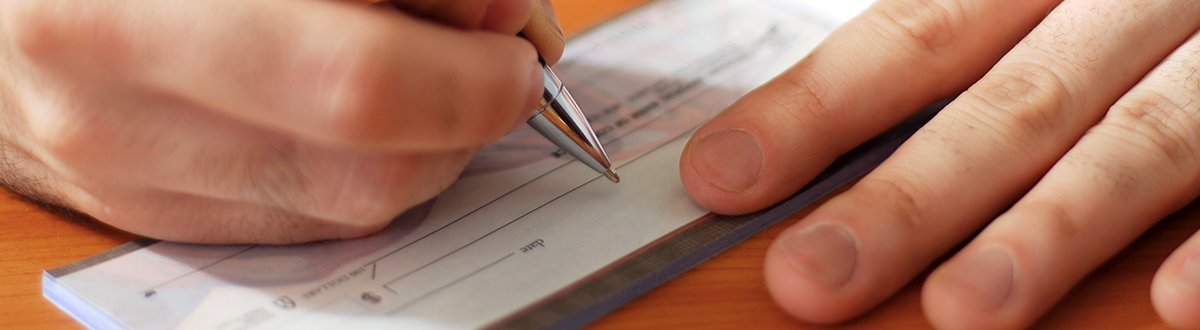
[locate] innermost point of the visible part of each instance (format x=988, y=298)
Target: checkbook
x=527, y=238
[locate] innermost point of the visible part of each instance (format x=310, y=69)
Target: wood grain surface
x=726, y=292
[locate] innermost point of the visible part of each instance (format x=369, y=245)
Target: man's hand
x=265, y=121
x=1082, y=113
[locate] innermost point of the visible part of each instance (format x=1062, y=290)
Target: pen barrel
x=552, y=89
x=562, y=122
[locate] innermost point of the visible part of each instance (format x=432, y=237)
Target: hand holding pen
x=230, y=121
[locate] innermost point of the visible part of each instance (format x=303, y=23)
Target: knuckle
x=42, y=30
x=472, y=121
x=362, y=108
x=505, y=93
x=492, y=96
x=373, y=106
x=61, y=135
x=1022, y=99
x=907, y=202
x=467, y=118
x=1159, y=122
x=1057, y=221
x=33, y=29
x=929, y=25
x=803, y=100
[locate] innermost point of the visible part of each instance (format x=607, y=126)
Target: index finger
x=534, y=18
x=337, y=73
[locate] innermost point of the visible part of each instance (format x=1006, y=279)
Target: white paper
x=521, y=223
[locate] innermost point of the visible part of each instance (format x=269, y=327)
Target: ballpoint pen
x=560, y=120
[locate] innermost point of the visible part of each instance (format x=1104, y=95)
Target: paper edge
x=84, y=312
x=113, y=253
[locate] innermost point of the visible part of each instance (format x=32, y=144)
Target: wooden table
x=726, y=292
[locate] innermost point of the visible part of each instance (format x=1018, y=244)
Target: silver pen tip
x=612, y=176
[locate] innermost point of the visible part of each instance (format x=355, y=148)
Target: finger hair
x=35, y=190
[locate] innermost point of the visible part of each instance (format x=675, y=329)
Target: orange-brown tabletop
x=726, y=292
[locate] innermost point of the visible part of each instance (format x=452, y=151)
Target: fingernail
x=728, y=159
x=827, y=253
x=985, y=276
x=1189, y=273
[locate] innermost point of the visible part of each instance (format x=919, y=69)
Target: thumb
x=544, y=32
